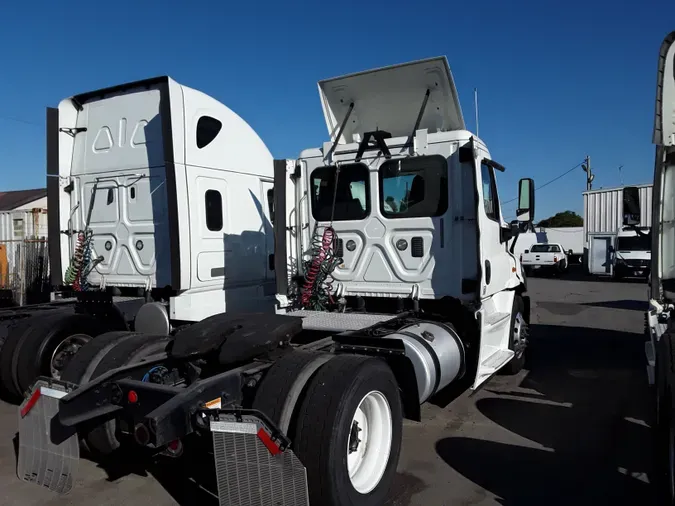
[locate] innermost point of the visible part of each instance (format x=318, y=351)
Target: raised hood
x=390, y=99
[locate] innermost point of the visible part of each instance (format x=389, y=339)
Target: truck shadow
x=574, y=431
x=577, y=273
x=191, y=479
x=629, y=305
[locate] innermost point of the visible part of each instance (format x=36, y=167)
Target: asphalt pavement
x=570, y=429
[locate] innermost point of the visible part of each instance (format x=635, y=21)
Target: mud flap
x=252, y=469
x=42, y=462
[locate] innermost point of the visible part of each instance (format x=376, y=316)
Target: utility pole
x=586, y=167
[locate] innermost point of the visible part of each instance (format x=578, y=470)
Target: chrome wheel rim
x=519, y=335
x=64, y=352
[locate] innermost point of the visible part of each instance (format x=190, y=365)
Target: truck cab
x=632, y=252
x=156, y=188
x=409, y=199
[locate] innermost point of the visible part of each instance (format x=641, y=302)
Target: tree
x=564, y=219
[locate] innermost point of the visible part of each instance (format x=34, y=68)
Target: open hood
x=390, y=99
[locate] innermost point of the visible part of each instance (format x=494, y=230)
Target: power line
x=17, y=120
x=551, y=181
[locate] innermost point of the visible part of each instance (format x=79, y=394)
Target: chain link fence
x=24, y=272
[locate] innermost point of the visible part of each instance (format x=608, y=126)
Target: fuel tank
x=436, y=352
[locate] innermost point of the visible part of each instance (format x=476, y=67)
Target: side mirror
x=570, y=252
x=526, y=251
x=525, y=209
x=631, y=205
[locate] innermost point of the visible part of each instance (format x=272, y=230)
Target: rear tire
x=83, y=364
x=9, y=388
x=35, y=353
x=98, y=356
x=272, y=394
x=102, y=440
x=349, y=393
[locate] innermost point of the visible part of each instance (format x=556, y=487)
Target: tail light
x=555, y=259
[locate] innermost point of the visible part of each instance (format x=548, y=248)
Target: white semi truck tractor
x=660, y=344
x=293, y=310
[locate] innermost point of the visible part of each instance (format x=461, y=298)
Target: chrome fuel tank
x=436, y=352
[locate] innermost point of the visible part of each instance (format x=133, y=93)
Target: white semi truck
x=632, y=252
x=660, y=344
x=293, y=310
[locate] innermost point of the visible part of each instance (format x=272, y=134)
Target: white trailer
x=382, y=257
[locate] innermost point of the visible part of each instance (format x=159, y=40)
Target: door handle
x=488, y=272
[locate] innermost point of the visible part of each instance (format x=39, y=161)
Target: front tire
x=518, y=337
x=348, y=432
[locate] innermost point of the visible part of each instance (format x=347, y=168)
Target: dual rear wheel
x=98, y=356
x=42, y=345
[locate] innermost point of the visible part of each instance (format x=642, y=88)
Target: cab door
x=496, y=261
x=498, y=268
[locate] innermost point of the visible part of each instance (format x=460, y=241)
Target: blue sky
x=556, y=80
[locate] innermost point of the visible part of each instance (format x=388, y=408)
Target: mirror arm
x=505, y=234
x=513, y=244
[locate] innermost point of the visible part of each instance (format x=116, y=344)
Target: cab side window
x=490, y=199
x=213, y=203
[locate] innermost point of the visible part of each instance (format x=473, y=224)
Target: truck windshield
x=352, y=195
x=545, y=248
x=414, y=187
x=633, y=243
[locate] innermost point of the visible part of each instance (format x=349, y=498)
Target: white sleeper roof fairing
x=664, y=118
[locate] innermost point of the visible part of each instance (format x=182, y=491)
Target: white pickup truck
x=544, y=256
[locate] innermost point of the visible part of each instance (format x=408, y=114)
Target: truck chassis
x=257, y=394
